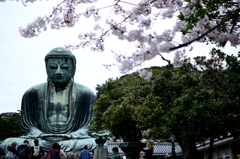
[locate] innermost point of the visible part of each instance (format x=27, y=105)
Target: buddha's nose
x=59, y=71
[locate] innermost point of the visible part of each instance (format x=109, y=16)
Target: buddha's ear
x=46, y=68
x=73, y=72
x=74, y=68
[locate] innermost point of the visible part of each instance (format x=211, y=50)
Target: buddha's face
x=60, y=70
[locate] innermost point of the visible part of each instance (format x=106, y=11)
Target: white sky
x=22, y=60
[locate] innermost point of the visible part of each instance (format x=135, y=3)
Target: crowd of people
x=25, y=151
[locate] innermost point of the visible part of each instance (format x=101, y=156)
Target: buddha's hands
x=33, y=133
x=57, y=137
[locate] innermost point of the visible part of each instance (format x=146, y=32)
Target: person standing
x=115, y=153
x=71, y=154
x=173, y=156
x=62, y=154
x=149, y=152
x=36, y=150
x=84, y=154
x=141, y=156
x=11, y=154
x=166, y=156
x=23, y=151
x=54, y=152
x=92, y=154
x=238, y=156
x=12, y=148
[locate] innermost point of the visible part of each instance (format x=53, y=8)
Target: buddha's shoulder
x=38, y=87
x=82, y=88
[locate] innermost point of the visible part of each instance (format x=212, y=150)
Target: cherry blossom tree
x=205, y=21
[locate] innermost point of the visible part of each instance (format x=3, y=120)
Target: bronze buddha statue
x=58, y=110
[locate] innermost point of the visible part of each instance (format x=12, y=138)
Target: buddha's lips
x=59, y=76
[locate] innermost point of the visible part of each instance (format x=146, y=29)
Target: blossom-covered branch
x=235, y=13
x=135, y=22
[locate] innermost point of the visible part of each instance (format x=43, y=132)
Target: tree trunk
x=188, y=146
x=210, y=156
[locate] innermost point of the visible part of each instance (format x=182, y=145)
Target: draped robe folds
x=35, y=124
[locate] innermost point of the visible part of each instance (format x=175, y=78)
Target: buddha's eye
x=53, y=66
x=65, y=66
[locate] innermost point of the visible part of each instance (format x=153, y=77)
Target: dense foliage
x=112, y=95
x=10, y=125
x=191, y=103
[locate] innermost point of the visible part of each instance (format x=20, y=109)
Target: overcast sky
x=22, y=60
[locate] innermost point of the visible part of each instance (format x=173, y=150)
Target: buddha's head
x=60, y=65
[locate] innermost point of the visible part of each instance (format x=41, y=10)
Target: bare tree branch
x=169, y=62
x=128, y=3
x=54, y=10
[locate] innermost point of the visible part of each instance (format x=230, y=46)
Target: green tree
x=114, y=101
x=10, y=125
x=191, y=103
x=198, y=103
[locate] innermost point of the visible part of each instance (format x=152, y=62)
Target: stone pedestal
x=131, y=149
x=100, y=153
